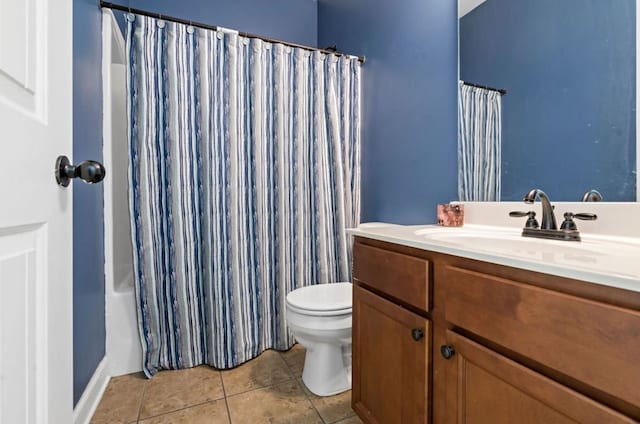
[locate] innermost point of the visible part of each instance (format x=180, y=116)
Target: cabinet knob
x=417, y=334
x=447, y=351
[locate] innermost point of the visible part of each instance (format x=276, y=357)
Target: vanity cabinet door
x=391, y=361
x=485, y=387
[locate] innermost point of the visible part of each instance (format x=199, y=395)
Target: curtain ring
x=160, y=22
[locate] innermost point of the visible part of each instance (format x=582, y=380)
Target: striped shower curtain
x=479, y=144
x=244, y=172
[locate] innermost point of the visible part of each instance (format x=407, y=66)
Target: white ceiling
x=466, y=6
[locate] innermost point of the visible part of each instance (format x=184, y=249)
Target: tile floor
x=268, y=389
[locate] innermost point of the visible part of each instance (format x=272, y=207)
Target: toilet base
x=327, y=368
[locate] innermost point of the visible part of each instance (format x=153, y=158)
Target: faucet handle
x=531, y=222
x=583, y=216
x=568, y=223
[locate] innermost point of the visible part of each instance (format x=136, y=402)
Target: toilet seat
x=322, y=299
x=336, y=312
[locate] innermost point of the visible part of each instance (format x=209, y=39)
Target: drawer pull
x=447, y=351
x=417, y=334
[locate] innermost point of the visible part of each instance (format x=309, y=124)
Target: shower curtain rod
x=499, y=90
x=109, y=5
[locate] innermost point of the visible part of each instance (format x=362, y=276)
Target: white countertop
x=608, y=260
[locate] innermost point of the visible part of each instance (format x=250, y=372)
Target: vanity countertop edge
x=405, y=235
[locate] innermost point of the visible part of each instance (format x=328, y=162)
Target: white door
x=35, y=213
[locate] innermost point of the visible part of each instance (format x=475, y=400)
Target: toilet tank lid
x=322, y=297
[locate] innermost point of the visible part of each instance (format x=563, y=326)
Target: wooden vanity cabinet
x=391, y=336
x=519, y=346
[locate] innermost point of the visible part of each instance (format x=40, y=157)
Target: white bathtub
x=123, y=351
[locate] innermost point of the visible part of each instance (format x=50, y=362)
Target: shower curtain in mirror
x=479, y=144
x=244, y=172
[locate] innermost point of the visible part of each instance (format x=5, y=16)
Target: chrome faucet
x=592, y=196
x=548, y=217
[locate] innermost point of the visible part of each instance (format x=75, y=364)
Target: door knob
x=89, y=171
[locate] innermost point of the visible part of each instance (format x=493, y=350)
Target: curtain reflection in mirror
x=479, y=144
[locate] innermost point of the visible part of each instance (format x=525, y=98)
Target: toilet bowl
x=320, y=319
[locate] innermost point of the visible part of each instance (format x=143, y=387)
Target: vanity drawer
x=593, y=343
x=403, y=277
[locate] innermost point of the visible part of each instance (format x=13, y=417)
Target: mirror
x=569, y=69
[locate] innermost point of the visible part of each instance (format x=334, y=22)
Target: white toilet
x=320, y=319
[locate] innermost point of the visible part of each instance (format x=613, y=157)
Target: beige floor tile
x=208, y=413
x=265, y=370
x=169, y=391
x=331, y=408
x=352, y=420
x=121, y=400
x=283, y=403
x=294, y=358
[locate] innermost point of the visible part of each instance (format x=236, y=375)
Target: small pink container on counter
x=450, y=215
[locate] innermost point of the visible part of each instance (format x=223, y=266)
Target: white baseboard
x=90, y=399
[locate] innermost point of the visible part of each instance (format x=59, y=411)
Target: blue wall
x=409, y=130
x=569, y=115
x=289, y=20
x=88, y=223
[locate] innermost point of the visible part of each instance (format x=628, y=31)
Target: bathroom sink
x=504, y=240
x=593, y=253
